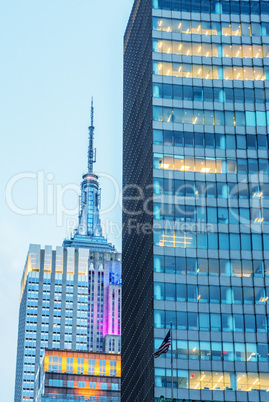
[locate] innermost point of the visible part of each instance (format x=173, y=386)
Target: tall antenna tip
x=92, y=112
x=91, y=152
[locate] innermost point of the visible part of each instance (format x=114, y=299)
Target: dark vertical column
x=137, y=304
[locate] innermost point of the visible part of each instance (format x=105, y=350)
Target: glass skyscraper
x=70, y=296
x=196, y=200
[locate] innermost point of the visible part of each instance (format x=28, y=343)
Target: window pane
x=181, y=320
x=181, y=292
x=170, y=291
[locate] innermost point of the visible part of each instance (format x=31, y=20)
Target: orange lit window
x=259, y=74
x=227, y=51
x=237, y=51
x=248, y=73
x=257, y=52
x=247, y=51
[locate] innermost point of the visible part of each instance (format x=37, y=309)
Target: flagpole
x=172, y=361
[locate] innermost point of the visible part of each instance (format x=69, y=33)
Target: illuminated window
x=92, y=366
x=212, y=28
x=228, y=73
x=238, y=73
x=248, y=73
x=165, y=47
x=69, y=365
x=258, y=74
x=257, y=51
x=242, y=382
x=189, y=164
x=55, y=363
x=113, y=365
x=227, y=51
x=210, y=166
x=177, y=48
x=197, y=49
x=237, y=51
x=207, y=51
x=208, y=72
x=194, y=380
x=199, y=164
x=247, y=51
x=167, y=69
x=187, y=51
x=215, y=50
x=80, y=366
x=168, y=162
x=162, y=24
x=102, y=367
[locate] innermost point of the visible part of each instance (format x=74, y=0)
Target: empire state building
x=71, y=295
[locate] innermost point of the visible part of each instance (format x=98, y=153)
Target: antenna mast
x=91, y=152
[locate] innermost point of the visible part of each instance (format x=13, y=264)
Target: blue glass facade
x=210, y=181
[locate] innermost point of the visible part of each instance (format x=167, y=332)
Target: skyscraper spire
x=89, y=231
x=91, y=151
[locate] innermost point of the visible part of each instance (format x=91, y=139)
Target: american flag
x=164, y=346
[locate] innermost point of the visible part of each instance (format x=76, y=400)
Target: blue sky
x=54, y=56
